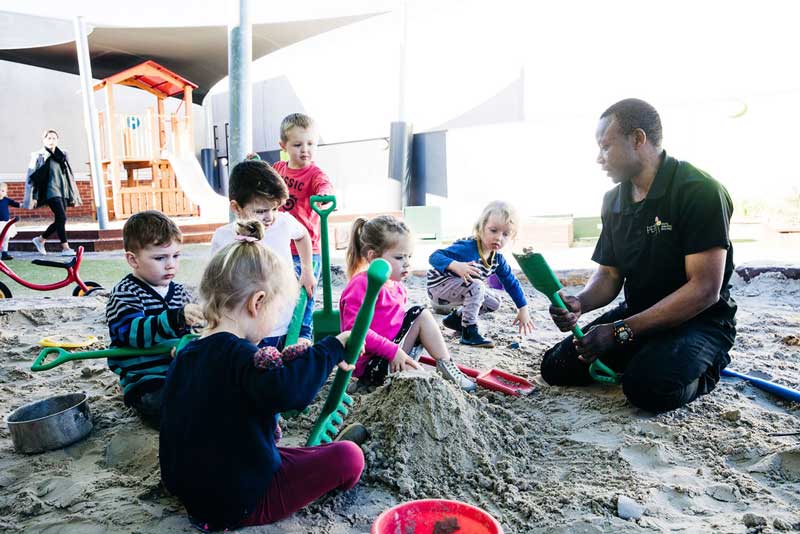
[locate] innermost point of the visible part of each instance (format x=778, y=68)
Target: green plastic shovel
x=293, y=335
x=542, y=277
x=326, y=320
x=335, y=408
x=64, y=356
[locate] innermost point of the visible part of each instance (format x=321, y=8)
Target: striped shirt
x=466, y=250
x=139, y=317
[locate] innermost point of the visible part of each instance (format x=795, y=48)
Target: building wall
x=17, y=189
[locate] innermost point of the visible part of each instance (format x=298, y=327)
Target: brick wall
x=16, y=190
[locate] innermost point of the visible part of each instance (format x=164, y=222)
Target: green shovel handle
x=323, y=199
x=325, y=425
x=599, y=371
x=63, y=356
x=293, y=333
x=327, y=299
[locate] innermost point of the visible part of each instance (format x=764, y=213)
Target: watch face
x=623, y=336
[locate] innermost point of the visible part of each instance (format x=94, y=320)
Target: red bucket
x=429, y=516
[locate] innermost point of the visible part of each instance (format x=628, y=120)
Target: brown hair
x=149, y=228
x=298, y=120
x=377, y=234
x=46, y=132
x=256, y=178
x=242, y=268
x=507, y=213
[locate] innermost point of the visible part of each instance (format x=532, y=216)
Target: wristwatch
x=623, y=334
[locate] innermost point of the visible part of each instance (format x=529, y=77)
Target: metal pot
x=50, y=423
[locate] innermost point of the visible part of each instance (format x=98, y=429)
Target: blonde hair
x=377, y=235
x=241, y=269
x=505, y=211
x=295, y=120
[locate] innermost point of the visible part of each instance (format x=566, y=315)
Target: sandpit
x=555, y=461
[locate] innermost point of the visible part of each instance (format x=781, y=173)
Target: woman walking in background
x=51, y=182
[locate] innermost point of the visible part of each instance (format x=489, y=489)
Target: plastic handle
x=293, y=334
x=327, y=301
x=64, y=356
x=377, y=275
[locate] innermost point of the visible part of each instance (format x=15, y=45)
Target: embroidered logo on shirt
x=658, y=226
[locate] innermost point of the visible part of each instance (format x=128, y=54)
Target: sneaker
x=7, y=256
x=355, y=432
x=452, y=373
x=453, y=321
x=67, y=252
x=39, y=246
x=470, y=336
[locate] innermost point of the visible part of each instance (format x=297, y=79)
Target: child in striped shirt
x=147, y=308
x=457, y=279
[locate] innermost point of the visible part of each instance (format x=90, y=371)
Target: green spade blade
x=544, y=280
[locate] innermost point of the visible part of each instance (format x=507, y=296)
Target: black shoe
x=355, y=432
x=453, y=321
x=7, y=256
x=470, y=336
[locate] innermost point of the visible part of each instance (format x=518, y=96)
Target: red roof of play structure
x=150, y=75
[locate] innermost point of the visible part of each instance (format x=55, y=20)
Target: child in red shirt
x=304, y=179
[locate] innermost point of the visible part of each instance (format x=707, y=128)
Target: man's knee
x=657, y=395
x=560, y=366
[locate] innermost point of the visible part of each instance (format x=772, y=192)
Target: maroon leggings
x=305, y=474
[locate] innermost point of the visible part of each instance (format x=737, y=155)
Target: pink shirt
x=390, y=310
x=303, y=184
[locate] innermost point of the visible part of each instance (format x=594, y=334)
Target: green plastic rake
x=335, y=408
x=542, y=277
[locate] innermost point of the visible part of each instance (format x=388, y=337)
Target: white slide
x=193, y=182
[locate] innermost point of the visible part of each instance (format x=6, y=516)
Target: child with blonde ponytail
x=394, y=330
x=218, y=453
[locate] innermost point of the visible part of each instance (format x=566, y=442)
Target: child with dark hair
x=147, y=308
x=256, y=192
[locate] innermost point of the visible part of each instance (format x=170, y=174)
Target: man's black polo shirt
x=685, y=212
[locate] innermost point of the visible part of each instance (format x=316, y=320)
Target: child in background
x=304, y=179
x=256, y=192
x=147, y=308
x=5, y=216
x=460, y=270
x=394, y=330
x=217, y=448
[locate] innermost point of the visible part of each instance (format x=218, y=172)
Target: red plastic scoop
x=493, y=379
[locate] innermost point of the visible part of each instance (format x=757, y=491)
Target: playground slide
x=194, y=184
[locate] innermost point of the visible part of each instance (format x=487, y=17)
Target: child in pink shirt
x=395, y=331
x=304, y=179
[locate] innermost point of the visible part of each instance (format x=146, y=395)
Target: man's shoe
x=39, y=246
x=451, y=372
x=453, y=321
x=355, y=432
x=7, y=256
x=470, y=336
x=67, y=252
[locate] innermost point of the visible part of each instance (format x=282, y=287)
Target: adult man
x=665, y=238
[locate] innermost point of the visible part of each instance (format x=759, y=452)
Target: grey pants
x=476, y=297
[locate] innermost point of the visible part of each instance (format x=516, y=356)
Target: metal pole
x=240, y=55
x=90, y=120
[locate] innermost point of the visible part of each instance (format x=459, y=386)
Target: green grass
x=104, y=268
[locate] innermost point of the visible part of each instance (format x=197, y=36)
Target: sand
x=555, y=461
